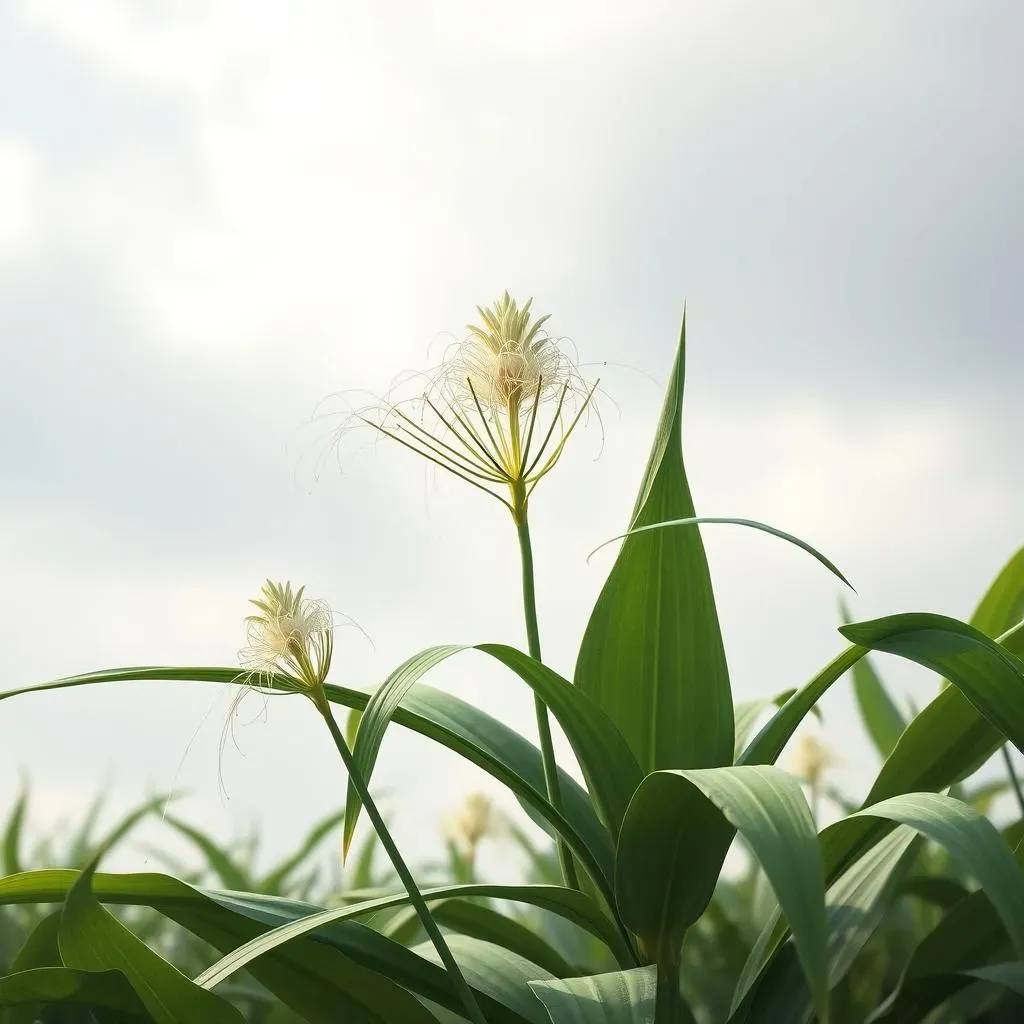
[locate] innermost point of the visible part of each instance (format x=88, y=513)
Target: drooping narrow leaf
x=987, y=674
x=661, y=857
x=949, y=739
x=90, y=939
x=608, y=765
x=624, y=997
x=572, y=904
x=652, y=656
x=481, y=739
x=882, y=719
x=346, y=970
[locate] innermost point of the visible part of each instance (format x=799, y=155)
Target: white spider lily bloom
x=291, y=634
x=811, y=760
x=475, y=820
x=499, y=409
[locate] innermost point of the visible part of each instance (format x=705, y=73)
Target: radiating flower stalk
x=497, y=414
x=294, y=636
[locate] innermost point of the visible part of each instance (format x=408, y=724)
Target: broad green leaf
x=728, y=521
x=611, y=771
x=855, y=905
x=90, y=939
x=502, y=975
x=882, y=719
x=107, y=991
x=652, y=656
x=623, y=997
x=662, y=879
x=938, y=890
x=769, y=743
x=462, y=728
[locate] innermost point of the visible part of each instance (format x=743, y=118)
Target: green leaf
x=502, y=975
x=662, y=875
x=347, y=971
x=90, y=939
x=488, y=925
x=39, y=950
x=12, y=834
x=968, y=935
x=769, y=743
x=747, y=713
x=623, y=997
x=462, y=728
x=881, y=717
x=949, y=739
x=108, y=991
x=652, y=656
x=1002, y=607
x=218, y=860
x=987, y=674
x=279, y=875
x=571, y=904
x=729, y=521
x=611, y=771
x=855, y=905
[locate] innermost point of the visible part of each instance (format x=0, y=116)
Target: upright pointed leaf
x=652, y=655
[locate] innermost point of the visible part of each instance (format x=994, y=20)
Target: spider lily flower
x=292, y=634
x=811, y=760
x=499, y=410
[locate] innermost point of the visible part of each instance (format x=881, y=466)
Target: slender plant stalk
x=1012, y=772
x=669, y=1005
x=415, y=896
x=547, y=748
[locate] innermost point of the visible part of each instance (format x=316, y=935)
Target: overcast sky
x=215, y=214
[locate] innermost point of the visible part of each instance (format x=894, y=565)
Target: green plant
x=667, y=790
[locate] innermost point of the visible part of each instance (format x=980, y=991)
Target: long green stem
x=1012, y=772
x=547, y=747
x=402, y=870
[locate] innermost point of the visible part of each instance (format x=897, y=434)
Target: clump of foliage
x=910, y=907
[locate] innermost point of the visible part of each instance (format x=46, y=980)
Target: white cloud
x=21, y=185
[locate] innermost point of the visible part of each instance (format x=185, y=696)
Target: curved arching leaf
x=91, y=939
x=662, y=877
x=107, y=991
x=608, y=765
x=752, y=524
x=481, y=739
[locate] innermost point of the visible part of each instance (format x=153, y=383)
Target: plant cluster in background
x=909, y=907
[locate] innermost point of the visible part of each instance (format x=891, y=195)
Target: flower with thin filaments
x=292, y=634
x=499, y=410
